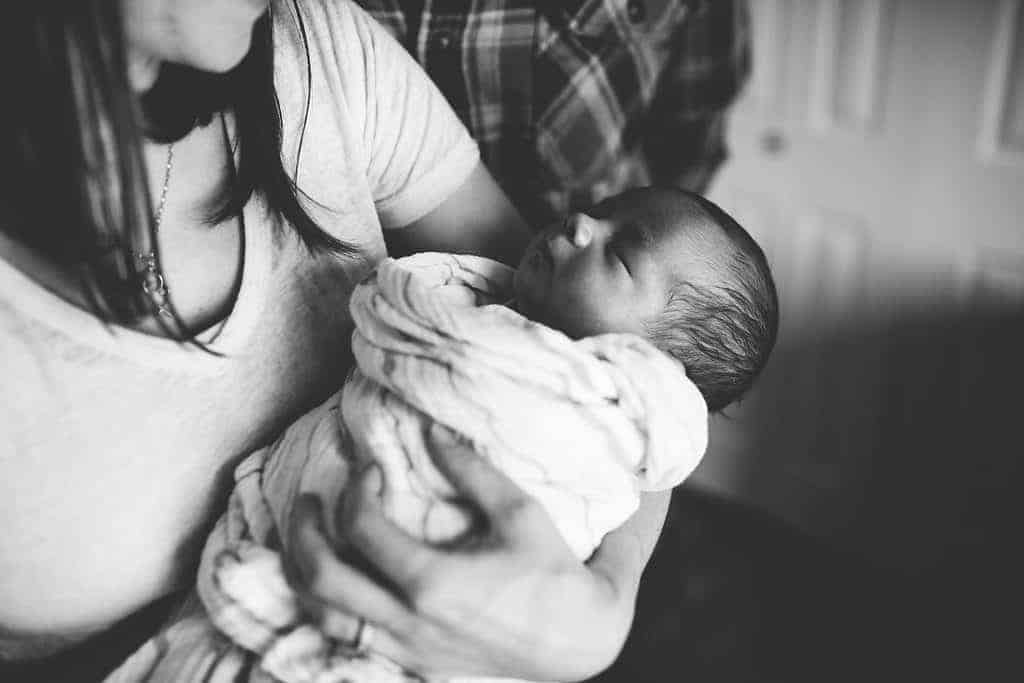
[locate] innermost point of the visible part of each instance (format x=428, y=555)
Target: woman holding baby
x=193, y=187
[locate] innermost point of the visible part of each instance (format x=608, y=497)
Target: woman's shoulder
x=330, y=52
x=336, y=30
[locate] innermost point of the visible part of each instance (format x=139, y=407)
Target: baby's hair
x=722, y=333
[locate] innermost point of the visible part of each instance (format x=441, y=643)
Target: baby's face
x=610, y=269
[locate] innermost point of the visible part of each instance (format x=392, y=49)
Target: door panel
x=878, y=156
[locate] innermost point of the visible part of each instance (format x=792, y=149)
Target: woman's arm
x=624, y=553
x=476, y=219
x=516, y=602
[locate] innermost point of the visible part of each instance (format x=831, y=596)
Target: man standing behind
x=575, y=100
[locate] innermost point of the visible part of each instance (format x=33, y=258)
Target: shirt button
x=442, y=40
x=636, y=11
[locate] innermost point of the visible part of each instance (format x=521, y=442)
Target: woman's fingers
x=345, y=628
x=510, y=513
x=323, y=577
x=340, y=599
x=402, y=559
x=481, y=482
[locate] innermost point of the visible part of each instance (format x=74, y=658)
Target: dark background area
x=732, y=594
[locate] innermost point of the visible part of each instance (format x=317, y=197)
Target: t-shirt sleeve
x=416, y=151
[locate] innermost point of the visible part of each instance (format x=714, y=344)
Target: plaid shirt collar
x=563, y=95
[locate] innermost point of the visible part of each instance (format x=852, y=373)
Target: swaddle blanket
x=581, y=425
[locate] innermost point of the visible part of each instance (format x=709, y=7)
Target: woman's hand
x=515, y=602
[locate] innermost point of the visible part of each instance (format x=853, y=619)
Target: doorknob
x=773, y=142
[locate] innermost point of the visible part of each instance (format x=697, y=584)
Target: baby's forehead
x=664, y=211
x=677, y=231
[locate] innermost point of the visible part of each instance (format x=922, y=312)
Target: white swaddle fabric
x=581, y=425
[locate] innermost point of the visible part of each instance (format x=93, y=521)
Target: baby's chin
x=521, y=290
x=529, y=296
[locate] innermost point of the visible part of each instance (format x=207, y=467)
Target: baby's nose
x=581, y=230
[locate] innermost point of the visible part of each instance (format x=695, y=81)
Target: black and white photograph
x=456, y=341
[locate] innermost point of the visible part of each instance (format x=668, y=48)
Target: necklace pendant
x=153, y=283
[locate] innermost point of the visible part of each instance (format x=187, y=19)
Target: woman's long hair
x=71, y=132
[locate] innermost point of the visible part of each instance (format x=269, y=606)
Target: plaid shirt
x=574, y=100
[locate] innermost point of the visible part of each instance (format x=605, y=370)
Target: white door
x=878, y=155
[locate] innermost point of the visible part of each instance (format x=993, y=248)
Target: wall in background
x=878, y=155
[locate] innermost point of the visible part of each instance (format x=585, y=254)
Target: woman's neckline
x=55, y=295
x=39, y=299
x=207, y=324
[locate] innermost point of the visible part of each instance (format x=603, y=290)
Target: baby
x=627, y=324
x=631, y=322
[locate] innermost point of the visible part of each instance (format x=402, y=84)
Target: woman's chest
x=117, y=462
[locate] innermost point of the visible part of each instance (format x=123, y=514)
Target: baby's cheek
x=565, y=314
x=542, y=307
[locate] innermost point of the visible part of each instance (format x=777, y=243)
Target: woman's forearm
x=624, y=553
x=476, y=219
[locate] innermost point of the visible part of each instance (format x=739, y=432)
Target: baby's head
x=668, y=265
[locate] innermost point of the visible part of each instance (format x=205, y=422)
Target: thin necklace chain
x=167, y=183
x=154, y=284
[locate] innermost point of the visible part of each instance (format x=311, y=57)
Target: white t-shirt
x=117, y=447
